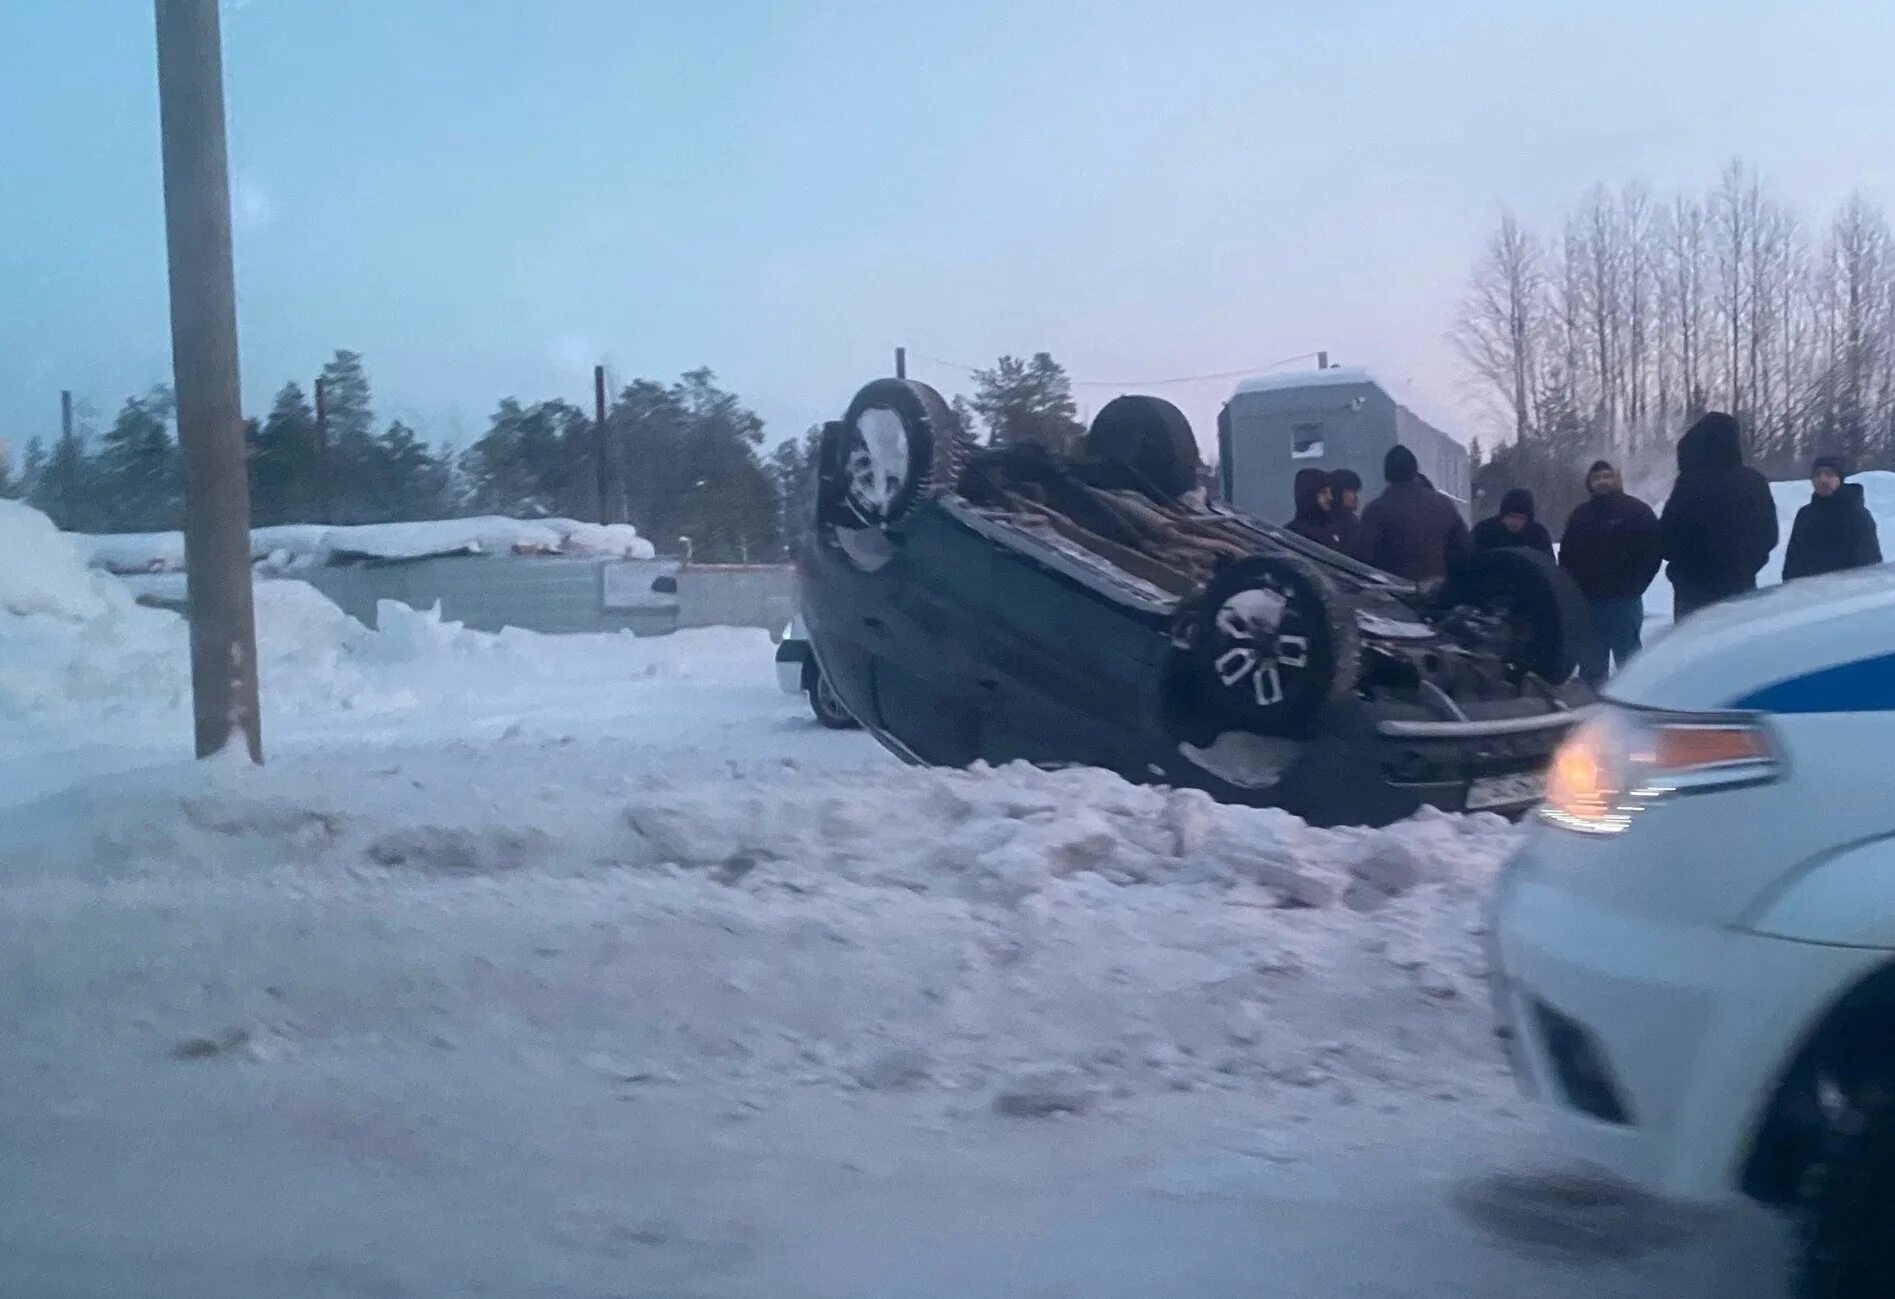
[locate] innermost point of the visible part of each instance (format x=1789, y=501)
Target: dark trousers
x=1688, y=599
x=1616, y=624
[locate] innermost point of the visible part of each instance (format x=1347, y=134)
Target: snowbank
x=985, y=929
x=44, y=573
x=298, y=545
x=77, y=650
x=1019, y=938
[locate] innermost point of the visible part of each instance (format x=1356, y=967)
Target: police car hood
x=1818, y=645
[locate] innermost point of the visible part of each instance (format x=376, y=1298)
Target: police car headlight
x=1620, y=762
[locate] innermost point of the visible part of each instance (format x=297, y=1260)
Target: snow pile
x=1878, y=494
x=311, y=545
x=78, y=650
x=71, y=636
x=1030, y=942
x=408, y=635
x=44, y=573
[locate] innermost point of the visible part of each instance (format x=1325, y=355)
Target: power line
x=1192, y=378
x=1133, y=383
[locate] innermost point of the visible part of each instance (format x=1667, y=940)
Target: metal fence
x=560, y=596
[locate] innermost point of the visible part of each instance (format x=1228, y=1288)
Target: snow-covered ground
x=592, y=966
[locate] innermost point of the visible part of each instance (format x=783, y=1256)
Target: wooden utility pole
x=204, y=365
x=325, y=492
x=901, y=363
x=599, y=438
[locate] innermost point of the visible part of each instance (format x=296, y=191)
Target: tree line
x=1606, y=335
x=684, y=461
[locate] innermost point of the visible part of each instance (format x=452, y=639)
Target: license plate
x=1505, y=791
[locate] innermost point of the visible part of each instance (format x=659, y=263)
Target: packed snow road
x=595, y=967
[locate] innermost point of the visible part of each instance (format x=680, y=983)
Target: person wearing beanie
x=1345, y=510
x=1514, y=525
x=1315, y=513
x=1410, y=530
x=1720, y=522
x=1611, y=548
x=1835, y=531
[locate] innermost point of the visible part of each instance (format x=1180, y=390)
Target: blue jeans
x=1616, y=624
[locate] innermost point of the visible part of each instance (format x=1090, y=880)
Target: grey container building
x=1339, y=418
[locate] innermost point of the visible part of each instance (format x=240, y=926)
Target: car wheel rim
x=877, y=465
x=1261, y=644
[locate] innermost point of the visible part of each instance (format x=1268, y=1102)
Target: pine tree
x=287, y=470
x=970, y=422
x=1028, y=402
x=63, y=491
x=792, y=468
x=530, y=460
x=734, y=515
x=32, y=466
x=690, y=467
x=350, y=420
x=138, y=478
x=413, y=479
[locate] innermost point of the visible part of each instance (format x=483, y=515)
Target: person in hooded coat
x=1720, y=523
x=1612, y=547
x=1835, y=530
x=1410, y=530
x=1345, y=511
x=1315, y=512
x=1513, y=525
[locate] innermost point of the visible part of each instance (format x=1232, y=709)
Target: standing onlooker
x=1720, y=524
x=1346, y=509
x=1410, y=530
x=1315, y=517
x=1835, y=530
x=1612, y=547
x=1514, y=525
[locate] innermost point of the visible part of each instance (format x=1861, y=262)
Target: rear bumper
x=1657, y=1044
x=791, y=658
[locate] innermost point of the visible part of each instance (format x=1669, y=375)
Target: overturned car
x=1001, y=604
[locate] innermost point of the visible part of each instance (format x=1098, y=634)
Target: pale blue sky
x=484, y=196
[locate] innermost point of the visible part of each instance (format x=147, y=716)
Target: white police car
x=1694, y=952
x=798, y=674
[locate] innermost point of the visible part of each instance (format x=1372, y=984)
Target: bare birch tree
x=1499, y=327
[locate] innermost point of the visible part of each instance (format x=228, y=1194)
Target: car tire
x=1546, y=611
x=1266, y=645
x=1150, y=437
x=827, y=708
x=1847, y=1236
x=898, y=442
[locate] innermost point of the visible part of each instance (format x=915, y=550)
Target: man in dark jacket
x=1720, y=524
x=1612, y=548
x=1835, y=530
x=1315, y=515
x=1345, y=511
x=1410, y=530
x=1514, y=525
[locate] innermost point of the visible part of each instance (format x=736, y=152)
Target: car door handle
x=875, y=624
